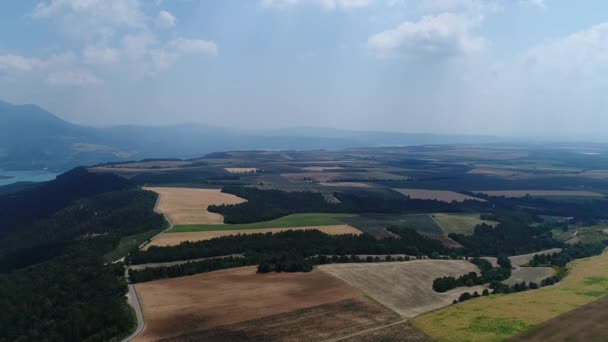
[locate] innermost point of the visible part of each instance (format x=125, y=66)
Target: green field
x=460, y=223
x=375, y=224
x=295, y=220
x=498, y=317
x=127, y=243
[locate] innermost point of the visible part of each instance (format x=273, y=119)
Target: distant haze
x=523, y=68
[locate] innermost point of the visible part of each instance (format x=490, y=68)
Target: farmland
x=291, y=221
x=175, y=238
x=460, y=223
x=405, y=287
x=241, y=169
x=542, y=193
x=189, y=206
x=439, y=195
x=498, y=317
x=238, y=302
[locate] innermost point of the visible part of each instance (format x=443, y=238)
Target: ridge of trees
x=488, y=274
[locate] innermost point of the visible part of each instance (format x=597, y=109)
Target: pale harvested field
x=527, y=274
x=189, y=206
x=540, y=193
x=241, y=169
x=348, y=184
x=405, y=287
x=439, y=195
x=239, y=304
x=173, y=239
x=503, y=173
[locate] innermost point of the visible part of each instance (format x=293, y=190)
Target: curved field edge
x=498, y=317
x=293, y=221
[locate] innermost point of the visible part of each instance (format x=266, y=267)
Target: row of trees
x=567, y=254
x=488, y=274
x=188, y=268
x=305, y=243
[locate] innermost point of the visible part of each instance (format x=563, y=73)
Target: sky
x=532, y=68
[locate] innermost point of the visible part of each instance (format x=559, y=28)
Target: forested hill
x=56, y=283
x=26, y=206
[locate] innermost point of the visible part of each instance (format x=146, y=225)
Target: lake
x=26, y=176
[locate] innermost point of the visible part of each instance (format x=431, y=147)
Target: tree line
x=488, y=274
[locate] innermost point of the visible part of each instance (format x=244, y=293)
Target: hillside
x=32, y=138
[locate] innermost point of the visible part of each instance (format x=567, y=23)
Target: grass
x=592, y=234
x=295, y=220
x=375, y=224
x=127, y=243
x=498, y=317
x=460, y=223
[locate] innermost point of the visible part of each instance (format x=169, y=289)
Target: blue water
x=26, y=176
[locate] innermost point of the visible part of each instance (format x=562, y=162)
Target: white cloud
x=326, y=4
x=117, y=12
x=583, y=54
x=477, y=6
x=19, y=63
x=101, y=55
x=442, y=35
x=536, y=3
x=165, y=20
x=73, y=78
x=175, y=49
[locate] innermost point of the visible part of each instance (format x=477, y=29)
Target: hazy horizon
x=526, y=68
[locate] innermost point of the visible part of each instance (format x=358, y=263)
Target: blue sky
x=506, y=67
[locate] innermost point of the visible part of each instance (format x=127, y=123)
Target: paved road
x=134, y=300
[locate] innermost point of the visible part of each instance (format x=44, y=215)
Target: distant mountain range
x=33, y=138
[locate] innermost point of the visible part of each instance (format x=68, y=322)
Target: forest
x=55, y=284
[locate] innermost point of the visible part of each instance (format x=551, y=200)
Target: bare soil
x=406, y=287
x=186, y=305
x=189, y=205
x=316, y=323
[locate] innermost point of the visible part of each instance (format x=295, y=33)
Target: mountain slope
x=32, y=138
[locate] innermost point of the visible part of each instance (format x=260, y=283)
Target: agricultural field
x=239, y=304
x=587, y=323
x=592, y=234
x=175, y=238
x=189, y=205
x=542, y=193
x=499, y=317
x=439, y=195
x=289, y=221
x=404, y=287
x=521, y=272
x=460, y=223
x=325, y=177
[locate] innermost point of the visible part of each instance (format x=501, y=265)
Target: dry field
x=587, y=323
x=173, y=239
x=189, y=206
x=439, y=195
x=541, y=193
x=241, y=169
x=405, y=287
x=527, y=274
x=400, y=332
x=238, y=304
x=502, y=173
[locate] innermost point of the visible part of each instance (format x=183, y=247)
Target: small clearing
x=541, y=193
x=241, y=169
x=460, y=223
x=189, y=205
x=405, y=287
x=438, y=195
x=238, y=304
x=173, y=239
